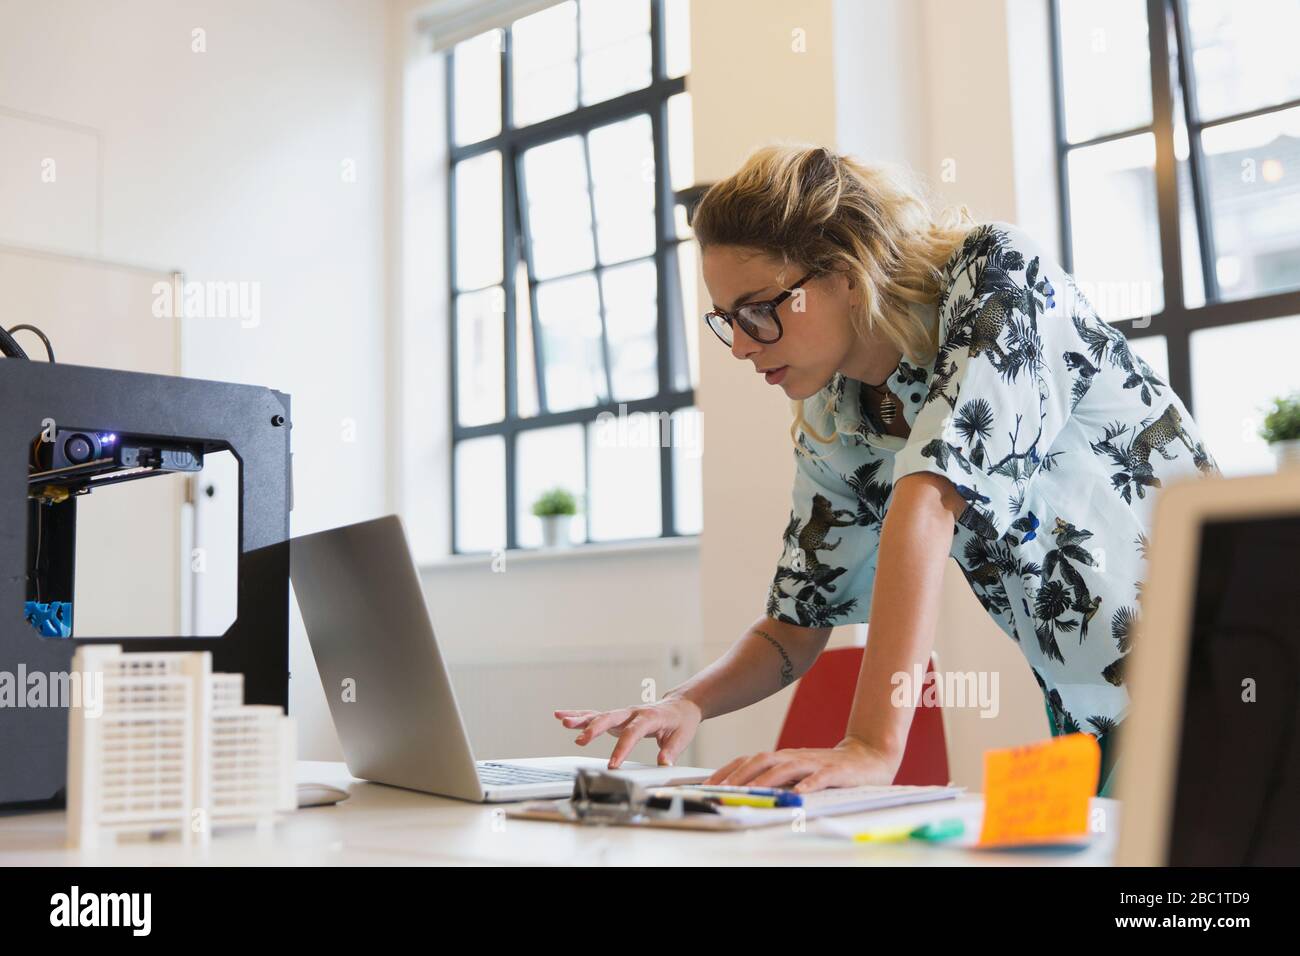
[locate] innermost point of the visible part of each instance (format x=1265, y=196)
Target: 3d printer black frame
x=254, y=424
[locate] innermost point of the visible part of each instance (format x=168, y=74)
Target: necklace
x=888, y=405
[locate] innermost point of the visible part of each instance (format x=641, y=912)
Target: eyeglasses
x=758, y=319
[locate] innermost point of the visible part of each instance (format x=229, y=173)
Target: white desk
x=381, y=825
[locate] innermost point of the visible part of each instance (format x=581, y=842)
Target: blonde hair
x=811, y=207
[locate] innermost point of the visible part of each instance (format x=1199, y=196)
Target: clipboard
x=601, y=799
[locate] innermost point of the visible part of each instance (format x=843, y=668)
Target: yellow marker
x=893, y=835
x=726, y=799
x=729, y=800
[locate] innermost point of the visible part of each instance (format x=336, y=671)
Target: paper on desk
x=820, y=803
x=728, y=818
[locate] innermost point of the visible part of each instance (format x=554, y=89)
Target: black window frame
x=1176, y=320
x=512, y=142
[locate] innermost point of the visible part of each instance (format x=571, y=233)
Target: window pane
x=1188, y=230
x=624, y=456
x=1230, y=405
x=623, y=171
x=677, y=37
x=615, y=47
x=1243, y=54
x=681, y=144
x=688, y=280
x=559, y=210
x=1253, y=168
x=631, y=323
x=481, y=494
x=1105, y=66
x=477, y=81
x=569, y=311
x=525, y=360
x=1193, y=280
x=1154, y=350
x=1114, y=227
x=544, y=48
x=688, y=478
x=546, y=458
x=478, y=221
x=480, y=357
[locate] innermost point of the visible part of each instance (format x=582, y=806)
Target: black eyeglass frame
x=769, y=307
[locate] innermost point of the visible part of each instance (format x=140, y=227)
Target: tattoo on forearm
x=787, y=666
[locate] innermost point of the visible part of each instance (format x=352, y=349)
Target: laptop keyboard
x=506, y=774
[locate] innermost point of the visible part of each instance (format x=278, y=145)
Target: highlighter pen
x=784, y=798
x=739, y=800
x=934, y=832
x=769, y=797
x=894, y=835
x=930, y=832
x=727, y=788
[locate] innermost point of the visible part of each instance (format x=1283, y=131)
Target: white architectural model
x=172, y=747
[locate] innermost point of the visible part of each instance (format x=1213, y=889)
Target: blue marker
x=782, y=798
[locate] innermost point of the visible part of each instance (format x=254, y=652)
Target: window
x=1178, y=138
x=574, y=333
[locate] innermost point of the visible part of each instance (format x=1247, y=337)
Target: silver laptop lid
x=388, y=689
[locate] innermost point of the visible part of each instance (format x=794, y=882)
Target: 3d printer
x=70, y=431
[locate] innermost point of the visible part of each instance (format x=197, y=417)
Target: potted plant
x=556, y=508
x=1281, y=429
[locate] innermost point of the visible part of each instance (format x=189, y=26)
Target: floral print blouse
x=1057, y=435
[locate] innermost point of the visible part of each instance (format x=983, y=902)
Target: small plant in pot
x=556, y=508
x=1281, y=429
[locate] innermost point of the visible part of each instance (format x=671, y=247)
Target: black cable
x=9, y=345
x=49, y=349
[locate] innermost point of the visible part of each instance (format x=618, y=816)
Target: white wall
x=419, y=383
x=584, y=629
x=882, y=85
x=229, y=164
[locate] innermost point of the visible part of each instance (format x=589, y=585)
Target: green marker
x=935, y=832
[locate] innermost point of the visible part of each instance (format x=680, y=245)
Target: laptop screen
x=1237, y=796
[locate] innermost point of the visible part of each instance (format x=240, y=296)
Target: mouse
x=320, y=795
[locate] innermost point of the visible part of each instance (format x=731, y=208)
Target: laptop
x=388, y=689
x=1209, y=765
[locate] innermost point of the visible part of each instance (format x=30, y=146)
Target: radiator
x=507, y=704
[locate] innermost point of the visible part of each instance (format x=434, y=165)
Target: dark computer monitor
x=1209, y=769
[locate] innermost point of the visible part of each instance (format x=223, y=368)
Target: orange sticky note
x=1039, y=793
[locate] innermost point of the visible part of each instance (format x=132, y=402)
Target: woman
x=954, y=394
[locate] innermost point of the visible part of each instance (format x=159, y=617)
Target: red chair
x=820, y=712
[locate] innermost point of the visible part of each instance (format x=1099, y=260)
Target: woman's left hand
x=851, y=763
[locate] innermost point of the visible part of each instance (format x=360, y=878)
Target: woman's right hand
x=671, y=721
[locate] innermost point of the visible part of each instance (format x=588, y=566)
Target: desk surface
x=381, y=825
